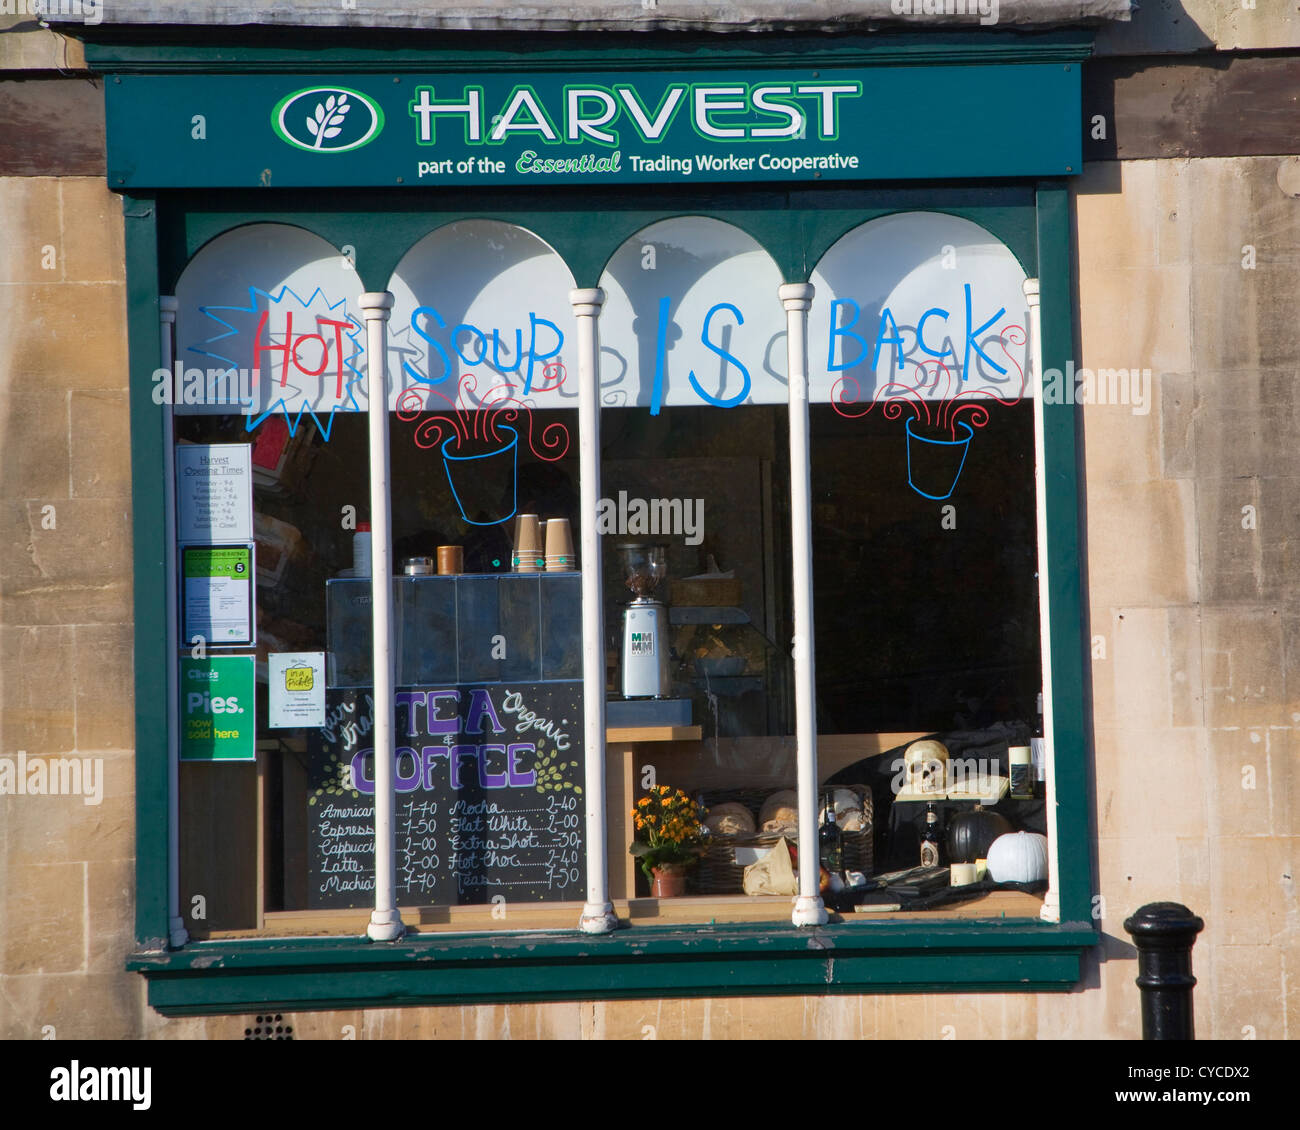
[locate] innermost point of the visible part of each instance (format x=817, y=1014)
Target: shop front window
x=920, y=433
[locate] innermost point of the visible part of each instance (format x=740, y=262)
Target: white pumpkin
x=1018, y=857
x=729, y=819
x=780, y=810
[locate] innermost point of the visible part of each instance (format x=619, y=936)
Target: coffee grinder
x=645, y=622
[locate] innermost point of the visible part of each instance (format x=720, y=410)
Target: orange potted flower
x=668, y=838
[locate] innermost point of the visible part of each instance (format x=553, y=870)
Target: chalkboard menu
x=490, y=796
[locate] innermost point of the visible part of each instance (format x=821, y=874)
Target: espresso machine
x=645, y=622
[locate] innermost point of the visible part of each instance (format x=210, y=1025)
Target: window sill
x=737, y=959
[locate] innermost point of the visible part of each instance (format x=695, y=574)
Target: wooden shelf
x=623, y=734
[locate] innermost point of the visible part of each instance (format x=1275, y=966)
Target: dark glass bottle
x=830, y=841
x=930, y=838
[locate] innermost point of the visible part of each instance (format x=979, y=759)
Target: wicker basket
x=718, y=873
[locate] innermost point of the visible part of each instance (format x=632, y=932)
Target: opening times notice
x=489, y=797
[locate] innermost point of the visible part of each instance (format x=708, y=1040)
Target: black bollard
x=1164, y=933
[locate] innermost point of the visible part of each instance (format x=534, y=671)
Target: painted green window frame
x=796, y=226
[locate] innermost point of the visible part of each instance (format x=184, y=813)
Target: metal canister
x=418, y=566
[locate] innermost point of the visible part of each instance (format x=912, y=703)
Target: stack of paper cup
x=560, y=557
x=528, y=556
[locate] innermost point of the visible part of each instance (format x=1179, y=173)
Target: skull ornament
x=926, y=766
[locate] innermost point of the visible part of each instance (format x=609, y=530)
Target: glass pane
x=695, y=467
x=271, y=485
x=924, y=535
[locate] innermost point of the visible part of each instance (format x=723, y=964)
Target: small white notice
x=296, y=684
x=214, y=492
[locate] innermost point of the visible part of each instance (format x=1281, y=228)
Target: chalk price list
x=484, y=848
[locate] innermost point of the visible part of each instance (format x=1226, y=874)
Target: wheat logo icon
x=327, y=119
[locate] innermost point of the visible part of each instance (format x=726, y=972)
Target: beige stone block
x=1105, y=1007
x=1291, y=1014
x=1229, y=517
x=1245, y=319
x=616, y=1020
x=762, y=1018
x=71, y=335
x=1247, y=993
x=110, y=891
x=1121, y=441
x=1151, y=780
x=1253, y=890
x=1116, y=224
x=1177, y=404
x=104, y=700
x=1019, y=1015
x=34, y=452
x=1136, y=318
x=910, y=1017
x=92, y=231
x=30, y=233
x=155, y=1026
x=1102, y=667
x=77, y=573
x=1237, y=204
x=36, y=712
x=1244, y=683
x=46, y=917
x=1291, y=659
x=1141, y=868
x=1279, y=540
x=1141, y=543
x=836, y=1018
x=32, y=48
x=100, y=445
x=66, y=829
x=970, y=1016
x=1284, y=779
x=77, y=1006
x=1141, y=666
x=1245, y=424
x=1186, y=686
x=712, y=1019
x=1259, y=27
x=1242, y=786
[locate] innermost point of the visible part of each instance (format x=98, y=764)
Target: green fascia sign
x=776, y=124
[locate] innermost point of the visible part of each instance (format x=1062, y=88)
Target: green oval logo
x=327, y=119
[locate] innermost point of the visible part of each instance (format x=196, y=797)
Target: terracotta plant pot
x=669, y=881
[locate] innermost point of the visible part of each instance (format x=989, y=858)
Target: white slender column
x=177, y=935
x=1051, y=908
x=808, y=907
x=385, y=921
x=598, y=912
